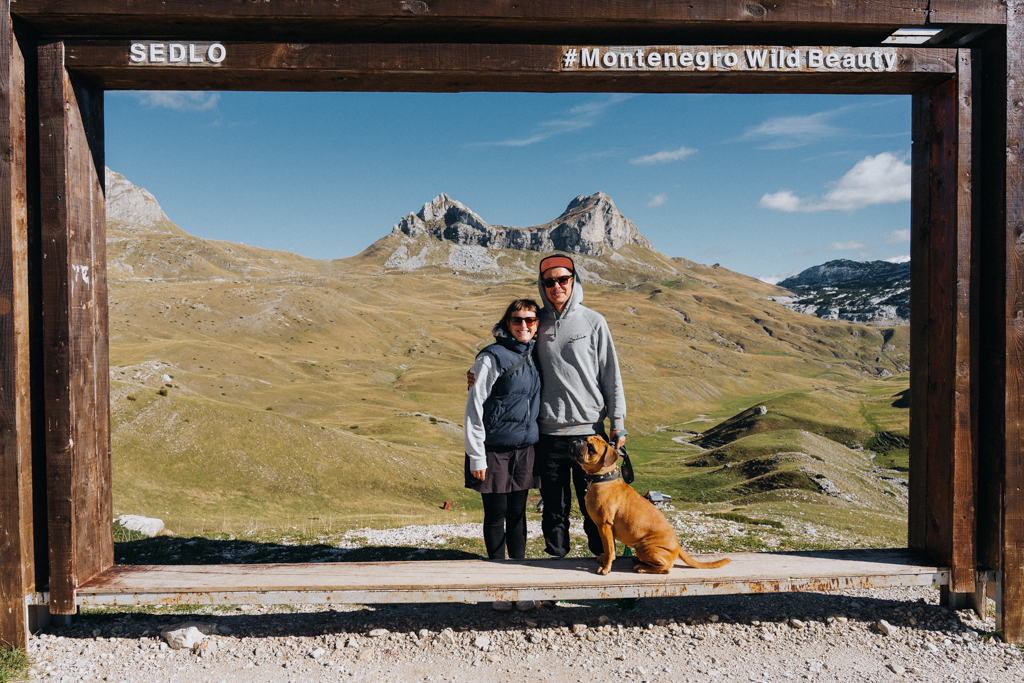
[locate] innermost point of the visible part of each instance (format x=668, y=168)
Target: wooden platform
x=473, y=581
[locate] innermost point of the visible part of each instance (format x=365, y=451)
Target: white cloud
x=899, y=259
x=579, y=117
x=787, y=132
x=664, y=157
x=848, y=246
x=879, y=179
x=178, y=100
x=776, y=278
x=898, y=237
x=657, y=200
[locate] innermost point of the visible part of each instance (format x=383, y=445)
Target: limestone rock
x=187, y=635
x=148, y=526
x=589, y=225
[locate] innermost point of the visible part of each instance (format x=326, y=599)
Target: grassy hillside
x=250, y=385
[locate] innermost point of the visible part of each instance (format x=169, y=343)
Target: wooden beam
x=74, y=328
x=1013, y=491
x=459, y=67
x=17, y=547
x=943, y=330
x=908, y=12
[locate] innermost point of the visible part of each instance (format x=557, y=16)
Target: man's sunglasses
x=549, y=282
x=519, y=320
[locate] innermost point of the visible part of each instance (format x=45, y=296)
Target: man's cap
x=557, y=262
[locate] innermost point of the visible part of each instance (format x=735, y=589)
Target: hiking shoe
x=525, y=605
x=502, y=605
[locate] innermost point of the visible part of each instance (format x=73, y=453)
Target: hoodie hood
x=575, y=298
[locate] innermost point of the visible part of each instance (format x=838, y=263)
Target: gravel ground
x=858, y=635
x=781, y=637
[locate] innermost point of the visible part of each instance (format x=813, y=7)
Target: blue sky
x=766, y=185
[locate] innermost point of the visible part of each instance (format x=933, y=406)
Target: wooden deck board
x=463, y=581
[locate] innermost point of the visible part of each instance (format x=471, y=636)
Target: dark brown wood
x=908, y=13
x=77, y=440
x=1013, y=497
x=920, y=235
x=17, y=547
x=943, y=330
x=453, y=67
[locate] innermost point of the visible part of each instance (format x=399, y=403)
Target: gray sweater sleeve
x=486, y=375
x=610, y=377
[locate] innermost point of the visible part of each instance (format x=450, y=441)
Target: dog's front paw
x=604, y=569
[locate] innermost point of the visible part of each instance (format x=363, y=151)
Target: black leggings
x=505, y=524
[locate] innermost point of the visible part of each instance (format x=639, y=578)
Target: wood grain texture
x=17, y=547
x=460, y=67
x=920, y=235
x=1013, y=501
x=77, y=443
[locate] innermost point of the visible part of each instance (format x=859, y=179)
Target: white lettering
x=138, y=54
x=773, y=60
x=176, y=53
x=193, y=58
x=610, y=59
x=755, y=58
x=730, y=59
x=714, y=59
x=702, y=61
x=156, y=52
x=814, y=59
x=849, y=61
x=640, y=58
x=863, y=61
x=626, y=61
x=217, y=53
x=832, y=60
x=654, y=60
x=671, y=60
x=686, y=59
x=876, y=60
x=890, y=61
x=793, y=60
x=589, y=57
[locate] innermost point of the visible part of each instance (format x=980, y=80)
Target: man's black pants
x=559, y=474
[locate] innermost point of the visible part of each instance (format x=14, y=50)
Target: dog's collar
x=600, y=478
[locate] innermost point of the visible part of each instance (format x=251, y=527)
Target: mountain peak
x=589, y=225
x=129, y=205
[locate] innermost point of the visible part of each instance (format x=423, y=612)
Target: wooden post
x=17, y=551
x=74, y=300
x=944, y=329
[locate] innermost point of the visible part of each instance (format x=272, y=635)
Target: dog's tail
x=702, y=565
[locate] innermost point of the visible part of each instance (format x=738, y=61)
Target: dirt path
x=783, y=637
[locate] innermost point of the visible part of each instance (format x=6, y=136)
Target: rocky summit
x=589, y=225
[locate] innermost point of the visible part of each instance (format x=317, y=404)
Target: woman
x=501, y=430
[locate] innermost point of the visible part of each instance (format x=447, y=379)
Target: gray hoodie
x=580, y=379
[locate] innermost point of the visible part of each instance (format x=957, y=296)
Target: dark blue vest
x=510, y=412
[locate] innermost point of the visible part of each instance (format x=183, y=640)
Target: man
x=581, y=386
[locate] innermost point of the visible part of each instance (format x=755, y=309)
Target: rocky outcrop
x=589, y=226
x=135, y=206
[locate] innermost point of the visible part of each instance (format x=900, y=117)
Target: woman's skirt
x=507, y=471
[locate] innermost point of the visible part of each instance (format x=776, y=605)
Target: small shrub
x=353, y=426
x=270, y=408
x=162, y=392
x=132, y=398
x=124, y=535
x=743, y=519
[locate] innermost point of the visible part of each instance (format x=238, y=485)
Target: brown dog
x=622, y=514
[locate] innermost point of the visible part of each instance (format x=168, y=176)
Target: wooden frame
x=967, y=312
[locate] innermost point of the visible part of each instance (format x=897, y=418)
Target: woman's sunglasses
x=549, y=282
x=519, y=320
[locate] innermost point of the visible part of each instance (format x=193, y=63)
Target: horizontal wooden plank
x=457, y=67
x=480, y=580
x=907, y=12
x=851, y=22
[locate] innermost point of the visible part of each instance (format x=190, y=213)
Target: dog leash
x=626, y=466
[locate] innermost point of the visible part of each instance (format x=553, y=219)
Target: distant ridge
x=876, y=292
